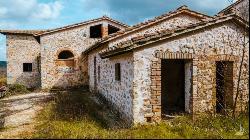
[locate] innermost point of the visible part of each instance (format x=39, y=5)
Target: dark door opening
x=224, y=86
x=173, y=86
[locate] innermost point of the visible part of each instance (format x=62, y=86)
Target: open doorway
x=224, y=86
x=173, y=86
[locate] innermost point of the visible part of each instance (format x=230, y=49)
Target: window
x=27, y=67
x=99, y=71
x=65, y=55
x=117, y=72
x=96, y=31
x=112, y=29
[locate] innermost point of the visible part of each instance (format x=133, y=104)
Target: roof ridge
x=104, y=17
x=164, y=34
x=229, y=7
x=182, y=7
x=179, y=9
x=149, y=22
x=21, y=31
x=109, y=18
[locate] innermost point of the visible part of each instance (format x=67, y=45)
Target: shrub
x=16, y=89
x=3, y=81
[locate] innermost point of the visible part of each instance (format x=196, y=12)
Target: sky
x=49, y=14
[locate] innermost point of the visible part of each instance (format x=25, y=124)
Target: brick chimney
x=105, y=27
x=104, y=30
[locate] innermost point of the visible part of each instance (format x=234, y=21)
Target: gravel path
x=17, y=113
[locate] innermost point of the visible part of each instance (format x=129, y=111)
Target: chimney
x=104, y=30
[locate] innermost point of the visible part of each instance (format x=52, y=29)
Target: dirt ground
x=17, y=113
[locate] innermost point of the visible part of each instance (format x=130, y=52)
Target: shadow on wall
x=3, y=72
x=71, y=73
x=2, y=115
x=78, y=104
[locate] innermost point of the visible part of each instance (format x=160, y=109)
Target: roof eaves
x=142, y=25
x=182, y=9
x=168, y=34
x=26, y=32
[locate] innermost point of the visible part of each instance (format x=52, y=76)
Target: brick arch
x=66, y=62
x=64, y=49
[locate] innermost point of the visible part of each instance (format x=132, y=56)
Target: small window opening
x=117, y=72
x=65, y=55
x=27, y=67
x=99, y=71
x=149, y=119
x=112, y=29
x=96, y=31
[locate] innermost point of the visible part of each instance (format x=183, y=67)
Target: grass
x=75, y=115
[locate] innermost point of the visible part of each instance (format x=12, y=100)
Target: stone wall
x=220, y=43
x=174, y=22
x=242, y=9
x=23, y=49
x=118, y=93
x=75, y=40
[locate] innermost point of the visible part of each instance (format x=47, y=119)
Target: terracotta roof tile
x=229, y=7
x=43, y=32
x=164, y=34
x=82, y=23
x=29, y=32
x=182, y=9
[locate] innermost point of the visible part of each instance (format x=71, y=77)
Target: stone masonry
x=27, y=48
x=75, y=40
x=127, y=67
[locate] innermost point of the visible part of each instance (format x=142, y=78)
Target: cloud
x=42, y=14
x=47, y=11
x=26, y=14
x=134, y=11
x=27, y=10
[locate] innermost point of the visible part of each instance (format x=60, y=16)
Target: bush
x=16, y=89
x=3, y=81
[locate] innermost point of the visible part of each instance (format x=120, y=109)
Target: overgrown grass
x=76, y=115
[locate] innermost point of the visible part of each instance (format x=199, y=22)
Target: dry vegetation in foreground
x=75, y=115
x=14, y=89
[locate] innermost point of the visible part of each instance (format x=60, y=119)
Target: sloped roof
x=44, y=32
x=27, y=32
x=183, y=9
x=146, y=39
x=80, y=24
x=230, y=7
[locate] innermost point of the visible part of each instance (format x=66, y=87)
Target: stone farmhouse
x=181, y=61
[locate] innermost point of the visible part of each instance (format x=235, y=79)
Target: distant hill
x=3, y=64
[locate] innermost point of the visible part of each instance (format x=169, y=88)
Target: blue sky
x=47, y=14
